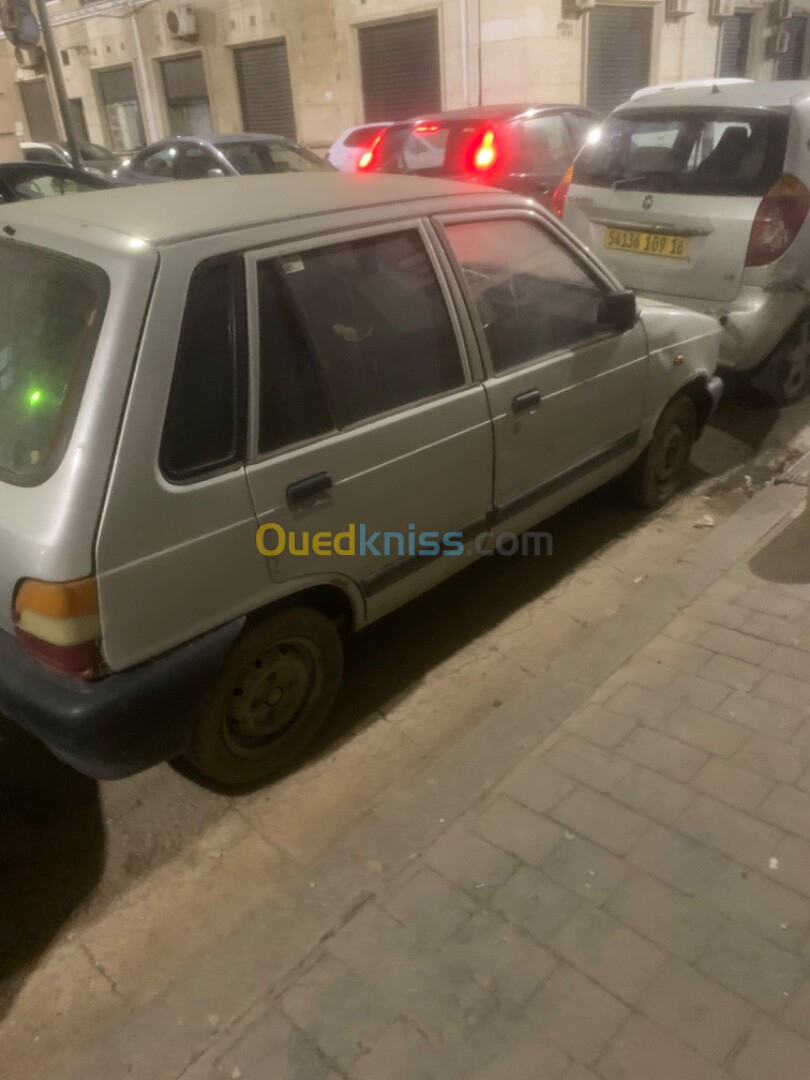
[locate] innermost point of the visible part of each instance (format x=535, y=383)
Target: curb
x=163, y=1038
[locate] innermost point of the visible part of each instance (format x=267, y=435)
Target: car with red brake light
x=700, y=195
x=522, y=148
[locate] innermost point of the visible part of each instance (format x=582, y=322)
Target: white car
x=347, y=150
x=701, y=196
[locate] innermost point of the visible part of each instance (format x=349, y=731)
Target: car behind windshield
x=686, y=152
x=253, y=157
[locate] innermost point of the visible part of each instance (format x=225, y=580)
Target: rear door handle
x=308, y=488
x=527, y=400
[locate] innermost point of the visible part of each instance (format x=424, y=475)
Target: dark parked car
x=525, y=148
x=97, y=160
x=20, y=180
x=185, y=157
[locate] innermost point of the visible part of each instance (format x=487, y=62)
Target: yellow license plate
x=636, y=242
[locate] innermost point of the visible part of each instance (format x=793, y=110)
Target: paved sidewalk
x=608, y=878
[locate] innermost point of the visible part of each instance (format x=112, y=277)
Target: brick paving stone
x=789, y=661
x=695, y=691
x=697, y=1011
x=687, y=627
x=272, y=1047
x=600, y=725
x=534, y=902
x=590, y=764
x=518, y=830
x=662, y=754
x=578, y=1072
x=535, y=785
x=771, y=602
x=342, y=1013
x=472, y=863
x=772, y=758
x=585, y=868
x=796, y=1013
x=600, y=819
x=765, y=716
x=371, y=942
x=729, y=831
x=401, y=1053
x=430, y=906
x=677, y=923
x=771, y=628
x=676, y=654
x=784, y=690
x=652, y=794
x=616, y=957
x=646, y=673
x=644, y=1051
x=503, y=959
x=778, y=914
x=525, y=1054
x=739, y=646
x=735, y=674
x=643, y=706
x=793, y=864
x=773, y=1053
x=751, y=967
x=675, y=859
x=788, y=808
x=704, y=731
x=564, y=1002
x=730, y=784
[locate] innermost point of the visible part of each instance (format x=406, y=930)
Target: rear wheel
x=272, y=696
x=790, y=375
x=657, y=475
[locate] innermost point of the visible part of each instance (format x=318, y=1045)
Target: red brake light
x=561, y=192
x=779, y=217
x=486, y=153
x=367, y=158
x=426, y=127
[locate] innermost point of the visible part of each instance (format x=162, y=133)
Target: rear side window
x=51, y=310
x=546, y=143
x=204, y=429
x=361, y=137
x=349, y=332
x=695, y=152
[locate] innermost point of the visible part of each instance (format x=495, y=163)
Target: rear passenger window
x=203, y=431
x=546, y=143
x=349, y=332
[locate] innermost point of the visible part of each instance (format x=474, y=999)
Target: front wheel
x=273, y=694
x=655, y=477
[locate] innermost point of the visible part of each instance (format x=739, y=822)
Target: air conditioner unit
x=721, y=9
x=781, y=43
x=779, y=10
x=30, y=59
x=181, y=22
x=573, y=8
x=676, y=9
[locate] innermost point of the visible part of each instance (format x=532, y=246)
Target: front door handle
x=308, y=488
x=527, y=400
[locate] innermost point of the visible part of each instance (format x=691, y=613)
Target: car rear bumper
x=120, y=724
x=754, y=323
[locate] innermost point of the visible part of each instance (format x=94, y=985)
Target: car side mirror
x=618, y=311
x=212, y=174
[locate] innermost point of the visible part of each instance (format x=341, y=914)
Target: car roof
x=159, y=214
x=495, y=112
x=222, y=140
x=750, y=95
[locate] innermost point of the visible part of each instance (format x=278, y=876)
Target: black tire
x=656, y=476
x=271, y=698
x=789, y=377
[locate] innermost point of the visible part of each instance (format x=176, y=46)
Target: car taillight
x=561, y=192
x=367, y=158
x=422, y=128
x=60, y=625
x=486, y=152
x=779, y=217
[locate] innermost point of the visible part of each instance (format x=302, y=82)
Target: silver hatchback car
x=234, y=429
x=700, y=195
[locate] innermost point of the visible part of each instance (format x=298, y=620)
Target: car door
x=544, y=150
x=566, y=393
x=368, y=421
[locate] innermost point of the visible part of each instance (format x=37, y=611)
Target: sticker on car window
x=292, y=266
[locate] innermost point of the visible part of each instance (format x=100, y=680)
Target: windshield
x=689, y=152
x=250, y=158
x=51, y=310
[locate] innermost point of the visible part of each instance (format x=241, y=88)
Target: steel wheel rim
x=270, y=695
x=671, y=456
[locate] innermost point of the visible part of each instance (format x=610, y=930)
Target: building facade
x=137, y=70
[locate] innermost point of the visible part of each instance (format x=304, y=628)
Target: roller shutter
x=619, y=48
x=790, y=65
x=399, y=62
x=263, y=75
x=36, y=102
